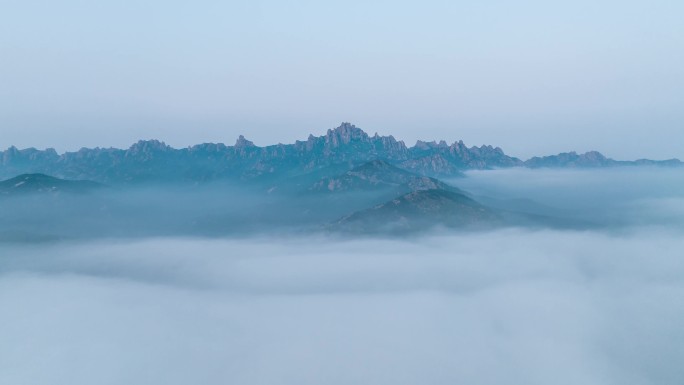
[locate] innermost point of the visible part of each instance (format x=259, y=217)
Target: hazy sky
x=533, y=77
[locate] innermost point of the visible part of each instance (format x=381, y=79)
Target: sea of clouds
x=512, y=306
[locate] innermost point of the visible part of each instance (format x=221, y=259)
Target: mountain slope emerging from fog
x=41, y=183
x=152, y=160
x=420, y=210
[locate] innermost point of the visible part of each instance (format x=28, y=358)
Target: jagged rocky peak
x=13, y=154
x=51, y=152
x=148, y=146
x=431, y=164
x=344, y=134
x=207, y=147
x=12, y=150
x=422, y=145
x=10, y=154
x=388, y=140
x=241, y=142
x=594, y=156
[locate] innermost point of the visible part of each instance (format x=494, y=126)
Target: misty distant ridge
x=345, y=181
x=592, y=159
x=346, y=146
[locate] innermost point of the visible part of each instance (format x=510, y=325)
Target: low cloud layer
x=610, y=197
x=507, y=307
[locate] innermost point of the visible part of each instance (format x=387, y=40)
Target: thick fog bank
x=506, y=307
x=619, y=196
x=606, y=199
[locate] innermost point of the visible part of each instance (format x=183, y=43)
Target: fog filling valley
x=517, y=305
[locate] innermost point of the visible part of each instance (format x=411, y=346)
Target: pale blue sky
x=534, y=77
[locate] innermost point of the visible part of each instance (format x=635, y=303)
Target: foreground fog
x=512, y=306
x=506, y=307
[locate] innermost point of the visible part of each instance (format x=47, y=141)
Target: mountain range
x=345, y=181
x=343, y=147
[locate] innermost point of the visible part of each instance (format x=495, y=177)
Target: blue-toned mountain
x=341, y=148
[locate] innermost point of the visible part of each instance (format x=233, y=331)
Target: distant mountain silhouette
x=342, y=147
x=591, y=159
